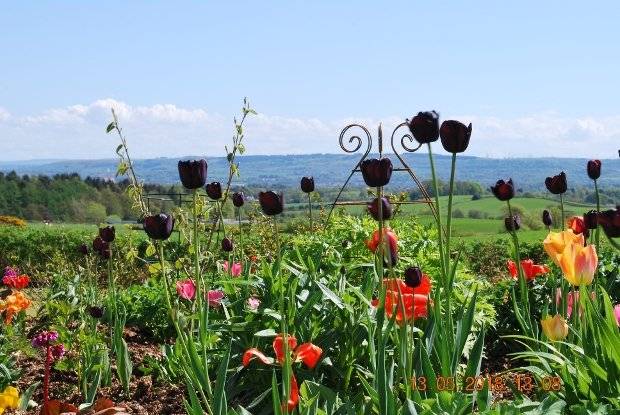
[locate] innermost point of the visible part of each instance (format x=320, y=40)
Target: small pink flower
x=617, y=313
x=253, y=303
x=186, y=289
x=215, y=297
x=236, y=268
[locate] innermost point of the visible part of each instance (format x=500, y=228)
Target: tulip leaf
x=110, y=127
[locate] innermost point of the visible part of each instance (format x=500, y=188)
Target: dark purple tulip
x=83, y=249
x=590, y=219
x=373, y=208
x=106, y=252
x=214, y=190
x=227, y=245
x=159, y=226
x=307, y=184
x=594, y=169
x=413, y=277
x=512, y=223
x=95, y=311
x=503, y=190
x=238, y=199
x=610, y=221
x=547, y=219
x=454, y=136
x=376, y=172
x=108, y=233
x=425, y=127
x=99, y=244
x=271, y=203
x=193, y=173
x=556, y=184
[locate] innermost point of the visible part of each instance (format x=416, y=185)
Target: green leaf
x=110, y=127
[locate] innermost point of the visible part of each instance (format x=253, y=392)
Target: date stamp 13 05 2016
x=497, y=384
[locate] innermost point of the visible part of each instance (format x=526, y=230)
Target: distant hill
x=331, y=170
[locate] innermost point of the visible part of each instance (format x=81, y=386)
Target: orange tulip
x=391, y=239
x=13, y=304
x=555, y=328
x=555, y=243
x=579, y=263
x=399, y=296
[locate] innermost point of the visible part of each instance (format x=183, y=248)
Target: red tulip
x=530, y=270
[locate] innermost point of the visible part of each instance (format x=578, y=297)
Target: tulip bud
x=95, y=312
x=454, y=136
x=556, y=184
x=513, y=223
x=227, y=245
x=99, y=244
x=193, y=173
x=413, y=277
x=214, y=190
x=590, y=219
x=159, y=226
x=307, y=184
x=578, y=226
x=555, y=328
x=547, y=219
x=238, y=199
x=503, y=190
x=271, y=203
x=83, y=249
x=425, y=127
x=594, y=169
x=108, y=233
x=610, y=222
x=373, y=208
x=376, y=172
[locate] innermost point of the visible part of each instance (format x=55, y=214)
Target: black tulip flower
x=193, y=173
x=108, y=233
x=512, y=223
x=99, y=244
x=238, y=199
x=547, y=219
x=159, y=226
x=556, y=184
x=106, y=252
x=83, y=249
x=425, y=127
x=214, y=190
x=503, y=190
x=373, y=208
x=413, y=277
x=376, y=172
x=594, y=169
x=590, y=219
x=227, y=245
x=455, y=136
x=307, y=184
x=95, y=311
x=610, y=222
x=271, y=203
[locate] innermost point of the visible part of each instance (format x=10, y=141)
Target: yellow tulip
x=555, y=328
x=9, y=398
x=556, y=242
x=579, y=263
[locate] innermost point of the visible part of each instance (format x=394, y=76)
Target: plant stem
x=562, y=227
x=310, y=210
x=46, y=378
x=598, y=209
x=449, y=224
x=439, y=227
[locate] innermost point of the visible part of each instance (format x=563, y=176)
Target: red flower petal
x=293, y=398
x=252, y=353
x=278, y=346
x=309, y=354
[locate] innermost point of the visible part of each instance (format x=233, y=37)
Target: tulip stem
x=449, y=224
x=562, y=209
x=310, y=210
x=522, y=280
x=442, y=262
x=598, y=209
x=380, y=355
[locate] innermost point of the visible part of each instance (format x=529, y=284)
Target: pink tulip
x=573, y=296
x=253, y=303
x=215, y=297
x=186, y=289
x=236, y=268
x=617, y=313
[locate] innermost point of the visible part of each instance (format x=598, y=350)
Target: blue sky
x=535, y=78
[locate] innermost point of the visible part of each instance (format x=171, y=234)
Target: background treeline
x=69, y=198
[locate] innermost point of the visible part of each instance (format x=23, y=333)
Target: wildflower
x=236, y=269
x=214, y=190
x=44, y=339
x=159, y=226
x=594, y=169
x=556, y=184
x=307, y=184
x=253, y=303
x=530, y=270
x=400, y=297
x=186, y=289
x=373, y=243
x=13, y=304
x=271, y=203
x=425, y=127
x=556, y=242
x=215, y=297
x=386, y=208
x=376, y=172
x=503, y=190
x=555, y=328
x=193, y=173
x=454, y=136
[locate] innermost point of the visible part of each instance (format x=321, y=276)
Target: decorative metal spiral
x=403, y=140
x=353, y=138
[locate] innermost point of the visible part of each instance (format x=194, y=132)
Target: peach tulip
x=579, y=263
x=555, y=328
x=556, y=242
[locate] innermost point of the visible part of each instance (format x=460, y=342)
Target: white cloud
x=78, y=131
